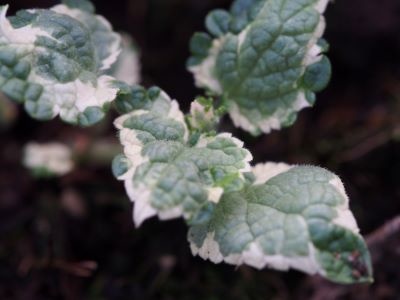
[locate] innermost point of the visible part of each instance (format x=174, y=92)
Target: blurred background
x=73, y=237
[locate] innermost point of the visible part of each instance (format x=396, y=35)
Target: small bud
x=202, y=115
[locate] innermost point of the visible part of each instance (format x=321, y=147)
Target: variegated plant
x=262, y=63
x=264, y=58
x=54, y=61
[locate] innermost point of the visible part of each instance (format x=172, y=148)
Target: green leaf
x=164, y=173
x=53, y=61
x=289, y=217
x=107, y=43
x=137, y=98
x=266, y=60
x=83, y=5
x=217, y=22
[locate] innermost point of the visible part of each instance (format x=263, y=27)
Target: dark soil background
x=73, y=237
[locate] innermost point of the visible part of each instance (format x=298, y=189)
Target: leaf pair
x=266, y=62
x=166, y=172
x=271, y=215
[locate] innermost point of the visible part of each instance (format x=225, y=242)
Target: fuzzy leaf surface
x=53, y=61
x=265, y=58
x=168, y=173
x=289, y=217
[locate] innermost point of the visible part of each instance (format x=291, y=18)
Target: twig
x=79, y=269
x=366, y=146
x=384, y=233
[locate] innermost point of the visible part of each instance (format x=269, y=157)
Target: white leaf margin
x=68, y=99
x=141, y=194
x=203, y=73
x=312, y=56
x=132, y=146
x=115, y=47
x=205, y=78
x=26, y=35
x=254, y=256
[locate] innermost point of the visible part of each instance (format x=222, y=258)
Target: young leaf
x=53, y=63
x=203, y=117
x=265, y=59
x=289, y=217
x=167, y=173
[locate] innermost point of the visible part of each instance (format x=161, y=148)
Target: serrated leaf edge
x=253, y=254
x=115, y=46
x=205, y=78
x=82, y=95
